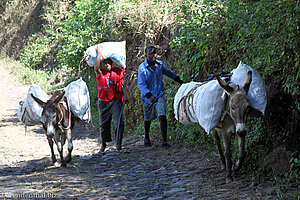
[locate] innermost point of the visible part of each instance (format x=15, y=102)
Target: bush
x=215, y=35
x=85, y=25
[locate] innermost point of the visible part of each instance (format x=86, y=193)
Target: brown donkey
x=233, y=120
x=59, y=122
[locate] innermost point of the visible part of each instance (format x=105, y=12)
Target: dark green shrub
x=216, y=35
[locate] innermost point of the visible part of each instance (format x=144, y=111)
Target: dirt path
x=26, y=170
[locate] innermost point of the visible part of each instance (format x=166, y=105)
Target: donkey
x=233, y=120
x=59, y=122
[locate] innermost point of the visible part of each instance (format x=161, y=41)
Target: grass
x=27, y=75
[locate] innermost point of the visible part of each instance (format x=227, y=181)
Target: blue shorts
x=149, y=109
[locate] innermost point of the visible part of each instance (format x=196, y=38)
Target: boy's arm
x=98, y=59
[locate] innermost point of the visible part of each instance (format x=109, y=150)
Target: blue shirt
x=151, y=81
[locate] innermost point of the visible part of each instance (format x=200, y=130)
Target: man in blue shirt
x=150, y=82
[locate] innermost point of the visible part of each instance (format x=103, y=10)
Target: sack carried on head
x=116, y=51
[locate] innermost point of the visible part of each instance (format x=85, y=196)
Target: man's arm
x=169, y=73
x=142, y=81
x=177, y=79
x=143, y=86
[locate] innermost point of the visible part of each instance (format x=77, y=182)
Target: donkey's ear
x=224, y=85
x=248, y=81
x=40, y=102
x=59, y=97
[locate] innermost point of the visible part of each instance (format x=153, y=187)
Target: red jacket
x=110, y=84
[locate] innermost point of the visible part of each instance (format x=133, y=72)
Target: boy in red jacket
x=110, y=83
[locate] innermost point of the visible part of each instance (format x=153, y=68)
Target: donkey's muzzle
x=241, y=133
x=241, y=129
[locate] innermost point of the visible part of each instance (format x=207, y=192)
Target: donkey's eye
x=232, y=108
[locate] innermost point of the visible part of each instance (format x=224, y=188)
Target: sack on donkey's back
x=78, y=98
x=29, y=111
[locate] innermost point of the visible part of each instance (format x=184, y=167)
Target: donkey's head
x=50, y=111
x=239, y=105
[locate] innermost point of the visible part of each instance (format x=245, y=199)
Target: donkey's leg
x=63, y=139
x=218, y=143
x=59, y=148
x=241, y=153
x=70, y=146
x=50, y=142
x=227, y=144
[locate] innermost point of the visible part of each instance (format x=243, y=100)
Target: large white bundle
x=23, y=114
x=29, y=111
x=257, y=92
x=208, y=104
x=180, y=105
x=116, y=51
x=78, y=98
x=204, y=106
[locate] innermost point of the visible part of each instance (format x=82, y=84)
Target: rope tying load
x=200, y=102
x=184, y=104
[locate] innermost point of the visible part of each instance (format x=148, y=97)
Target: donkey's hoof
x=54, y=160
x=233, y=168
x=56, y=164
x=229, y=180
x=68, y=159
x=63, y=165
x=236, y=167
x=223, y=167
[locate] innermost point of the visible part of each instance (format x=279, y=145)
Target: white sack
x=183, y=91
x=33, y=108
x=257, y=92
x=208, y=104
x=23, y=114
x=78, y=98
x=116, y=51
x=29, y=111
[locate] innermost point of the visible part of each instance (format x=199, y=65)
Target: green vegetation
x=27, y=75
x=216, y=35
x=196, y=38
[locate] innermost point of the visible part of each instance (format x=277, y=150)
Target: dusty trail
x=26, y=170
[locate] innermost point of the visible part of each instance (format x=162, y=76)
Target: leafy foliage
x=34, y=54
x=262, y=34
x=27, y=75
x=85, y=25
x=216, y=35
